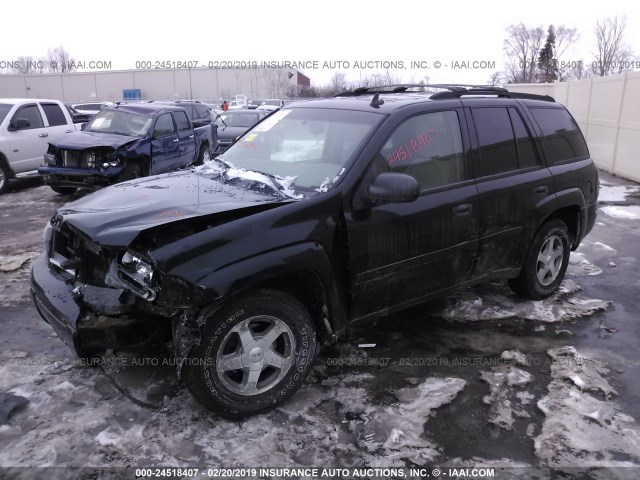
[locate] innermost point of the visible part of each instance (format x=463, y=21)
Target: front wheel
x=131, y=171
x=253, y=354
x=4, y=178
x=546, y=262
x=63, y=190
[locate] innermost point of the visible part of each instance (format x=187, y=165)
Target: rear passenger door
x=164, y=145
x=512, y=184
x=186, y=139
x=55, y=117
x=402, y=253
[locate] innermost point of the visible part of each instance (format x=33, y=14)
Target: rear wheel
x=204, y=155
x=253, y=354
x=546, y=262
x=64, y=190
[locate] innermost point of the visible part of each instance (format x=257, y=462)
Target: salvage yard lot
x=481, y=377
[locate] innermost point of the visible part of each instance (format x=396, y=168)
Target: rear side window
x=54, y=114
x=31, y=113
x=429, y=148
x=182, y=121
x=527, y=156
x=561, y=133
x=497, y=143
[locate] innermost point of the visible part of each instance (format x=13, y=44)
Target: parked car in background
x=76, y=116
x=254, y=103
x=233, y=123
x=27, y=125
x=198, y=113
x=92, y=108
x=327, y=214
x=125, y=142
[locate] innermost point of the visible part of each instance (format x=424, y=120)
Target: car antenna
x=376, y=101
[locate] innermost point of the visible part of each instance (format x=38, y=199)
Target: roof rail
x=452, y=90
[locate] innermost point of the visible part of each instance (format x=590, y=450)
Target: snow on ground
x=583, y=425
x=579, y=265
x=502, y=380
x=630, y=212
x=76, y=418
x=615, y=193
x=495, y=302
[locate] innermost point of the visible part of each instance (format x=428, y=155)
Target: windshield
x=238, y=119
x=310, y=145
x=4, y=109
x=119, y=122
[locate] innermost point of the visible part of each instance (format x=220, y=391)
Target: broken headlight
x=137, y=269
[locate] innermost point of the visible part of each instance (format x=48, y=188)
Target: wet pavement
x=481, y=377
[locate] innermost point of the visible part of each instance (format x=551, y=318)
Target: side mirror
x=18, y=124
x=392, y=188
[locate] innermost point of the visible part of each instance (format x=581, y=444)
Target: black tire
x=546, y=262
x=4, y=177
x=272, y=322
x=131, y=171
x=64, y=190
x=204, y=155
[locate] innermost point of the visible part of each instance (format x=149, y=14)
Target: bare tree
x=496, y=79
x=24, y=65
x=338, y=82
x=613, y=51
x=60, y=61
x=565, y=37
x=522, y=47
x=389, y=78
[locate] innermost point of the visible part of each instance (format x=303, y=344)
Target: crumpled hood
x=82, y=139
x=115, y=215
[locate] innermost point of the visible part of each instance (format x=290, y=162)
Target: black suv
x=326, y=214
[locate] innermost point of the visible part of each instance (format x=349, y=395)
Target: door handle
x=541, y=190
x=190, y=137
x=42, y=135
x=175, y=140
x=462, y=210
x=68, y=131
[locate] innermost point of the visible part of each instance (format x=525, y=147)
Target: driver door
x=402, y=253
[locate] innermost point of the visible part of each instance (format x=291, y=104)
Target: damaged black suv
x=326, y=214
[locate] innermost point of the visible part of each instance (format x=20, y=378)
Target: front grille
x=78, y=257
x=81, y=158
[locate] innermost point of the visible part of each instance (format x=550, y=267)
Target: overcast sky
x=126, y=32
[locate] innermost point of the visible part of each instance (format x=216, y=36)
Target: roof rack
x=452, y=90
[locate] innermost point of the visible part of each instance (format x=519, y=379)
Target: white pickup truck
x=27, y=125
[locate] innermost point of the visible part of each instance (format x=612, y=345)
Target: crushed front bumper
x=87, y=318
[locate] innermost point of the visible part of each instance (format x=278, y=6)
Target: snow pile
x=501, y=380
x=490, y=302
x=580, y=429
x=284, y=184
x=579, y=265
x=615, y=193
x=631, y=212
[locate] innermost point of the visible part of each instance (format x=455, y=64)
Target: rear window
x=561, y=133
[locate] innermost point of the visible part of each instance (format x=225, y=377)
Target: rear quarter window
x=561, y=133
